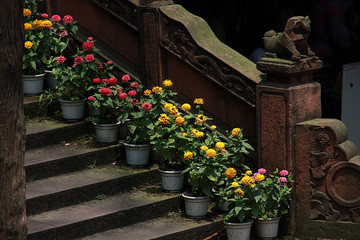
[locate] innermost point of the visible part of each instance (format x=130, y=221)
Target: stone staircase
x=78, y=189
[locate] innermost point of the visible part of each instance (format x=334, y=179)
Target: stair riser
x=111, y=221
x=71, y=164
x=86, y=193
x=58, y=135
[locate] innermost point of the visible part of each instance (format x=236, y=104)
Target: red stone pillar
x=287, y=97
x=153, y=66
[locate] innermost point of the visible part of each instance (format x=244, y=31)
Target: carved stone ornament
x=176, y=39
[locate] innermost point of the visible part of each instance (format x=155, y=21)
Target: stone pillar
x=287, y=97
x=153, y=66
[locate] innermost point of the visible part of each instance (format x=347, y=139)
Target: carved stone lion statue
x=292, y=43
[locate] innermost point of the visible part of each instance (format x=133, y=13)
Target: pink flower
x=56, y=18
x=91, y=98
x=134, y=102
x=125, y=78
x=68, y=19
x=109, y=62
x=146, y=106
x=282, y=180
x=262, y=171
x=89, y=58
x=119, y=91
x=63, y=33
x=96, y=80
x=112, y=81
x=134, y=85
x=132, y=93
x=87, y=46
x=44, y=15
x=78, y=60
x=105, y=92
x=91, y=39
x=283, y=173
x=104, y=81
x=61, y=59
x=122, y=96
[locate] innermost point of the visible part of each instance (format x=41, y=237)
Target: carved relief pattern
x=326, y=154
x=124, y=10
x=176, y=39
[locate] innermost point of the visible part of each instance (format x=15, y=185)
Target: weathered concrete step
x=32, y=108
x=47, y=132
x=101, y=215
x=174, y=226
x=73, y=188
x=63, y=158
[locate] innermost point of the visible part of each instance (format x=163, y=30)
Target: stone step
x=173, y=226
x=44, y=132
x=72, y=188
x=32, y=108
x=95, y=216
x=68, y=157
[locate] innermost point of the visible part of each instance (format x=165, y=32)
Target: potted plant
x=274, y=202
x=114, y=100
x=243, y=194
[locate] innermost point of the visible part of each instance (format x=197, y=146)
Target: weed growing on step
x=101, y=197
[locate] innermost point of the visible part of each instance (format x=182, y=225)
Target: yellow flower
x=247, y=180
x=27, y=26
x=239, y=192
x=204, y=148
x=210, y=153
x=28, y=44
x=194, y=132
x=163, y=119
x=147, y=92
x=173, y=110
x=26, y=12
x=234, y=184
x=248, y=172
x=186, y=107
x=37, y=24
x=188, y=156
x=46, y=24
x=220, y=145
x=179, y=120
x=200, y=134
x=259, y=177
x=184, y=134
x=199, y=101
x=167, y=106
x=235, y=132
x=213, y=127
x=167, y=83
x=157, y=90
x=201, y=119
x=230, y=173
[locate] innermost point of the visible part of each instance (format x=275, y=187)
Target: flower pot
x=50, y=80
x=137, y=154
x=33, y=84
x=238, y=231
x=196, y=207
x=172, y=180
x=107, y=132
x=267, y=228
x=72, y=110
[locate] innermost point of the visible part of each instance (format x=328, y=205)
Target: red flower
x=61, y=59
x=146, y=106
x=109, y=62
x=132, y=93
x=68, y=19
x=122, y=96
x=119, y=91
x=105, y=92
x=96, y=80
x=78, y=60
x=90, y=38
x=91, y=98
x=125, y=78
x=44, y=15
x=89, y=58
x=112, y=81
x=87, y=46
x=134, y=85
x=104, y=80
x=56, y=18
x=134, y=102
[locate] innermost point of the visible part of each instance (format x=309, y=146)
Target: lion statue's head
x=298, y=28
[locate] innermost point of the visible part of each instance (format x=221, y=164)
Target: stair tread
x=154, y=228
x=96, y=208
x=78, y=179
x=33, y=127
